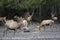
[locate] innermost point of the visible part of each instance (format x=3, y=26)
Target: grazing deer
x=23, y=23
x=47, y=22
x=10, y=24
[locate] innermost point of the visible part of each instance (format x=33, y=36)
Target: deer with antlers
x=29, y=18
x=47, y=22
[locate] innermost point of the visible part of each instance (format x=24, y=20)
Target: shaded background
x=42, y=9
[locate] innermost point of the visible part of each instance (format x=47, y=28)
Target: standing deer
x=29, y=18
x=10, y=24
x=47, y=22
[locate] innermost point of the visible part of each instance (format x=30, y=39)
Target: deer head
x=18, y=19
x=53, y=16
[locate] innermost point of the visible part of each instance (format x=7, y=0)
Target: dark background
x=42, y=9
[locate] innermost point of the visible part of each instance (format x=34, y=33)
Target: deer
x=29, y=18
x=1, y=18
x=10, y=24
x=23, y=23
x=47, y=22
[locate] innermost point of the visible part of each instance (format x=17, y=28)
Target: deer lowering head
x=23, y=23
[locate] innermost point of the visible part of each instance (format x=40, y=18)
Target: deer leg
x=41, y=28
x=50, y=25
x=5, y=31
x=26, y=29
x=14, y=31
x=21, y=29
x=29, y=22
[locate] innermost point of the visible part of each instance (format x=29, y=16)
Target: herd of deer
x=22, y=24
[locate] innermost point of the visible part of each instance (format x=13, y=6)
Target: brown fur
x=10, y=24
x=45, y=22
x=23, y=23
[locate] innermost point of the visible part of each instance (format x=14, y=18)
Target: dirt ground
x=50, y=33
